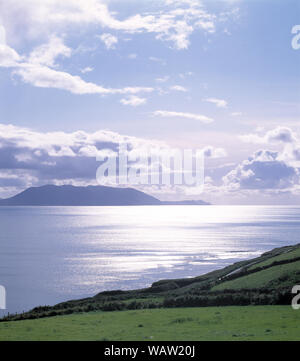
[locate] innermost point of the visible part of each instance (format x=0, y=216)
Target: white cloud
x=29, y=157
x=46, y=54
x=268, y=171
x=109, y=40
x=133, y=101
x=173, y=22
x=44, y=77
x=162, y=79
x=35, y=71
x=208, y=26
x=283, y=136
x=8, y=56
x=178, y=88
x=277, y=135
x=170, y=114
x=220, y=103
x=87, y=69
x=236, y=114
x=264, y=170
x=41, y=20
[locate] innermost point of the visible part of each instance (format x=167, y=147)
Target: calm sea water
x=52, y=254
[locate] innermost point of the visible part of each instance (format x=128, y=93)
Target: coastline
x=224, y=287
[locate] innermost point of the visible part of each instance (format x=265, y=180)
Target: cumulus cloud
x=182, y=115
x=280, y=136
x=264, y=170
x=277, y=135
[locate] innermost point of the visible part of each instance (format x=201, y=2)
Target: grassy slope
x=261, y=278
x=284, y=256
x=191, y=324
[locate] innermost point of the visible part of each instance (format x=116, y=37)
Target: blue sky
x=192, y=74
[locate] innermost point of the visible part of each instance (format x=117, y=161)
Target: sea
x=54, y=254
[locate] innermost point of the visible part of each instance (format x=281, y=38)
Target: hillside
x=266, y=280
x=68, y=195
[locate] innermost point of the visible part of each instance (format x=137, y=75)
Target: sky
x=80, y=77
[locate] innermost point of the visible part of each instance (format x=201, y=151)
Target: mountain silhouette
x=68, y=195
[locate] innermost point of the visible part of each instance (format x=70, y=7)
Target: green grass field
x=190, y=324
x=260, y=278
x=285, y=256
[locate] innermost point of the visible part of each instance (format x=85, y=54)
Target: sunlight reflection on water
x=51, y=254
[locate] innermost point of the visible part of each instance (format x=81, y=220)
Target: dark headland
x=68, y=195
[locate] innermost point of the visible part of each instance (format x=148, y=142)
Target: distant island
x=68, y=195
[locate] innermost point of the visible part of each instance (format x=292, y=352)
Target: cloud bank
x=28, y=157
